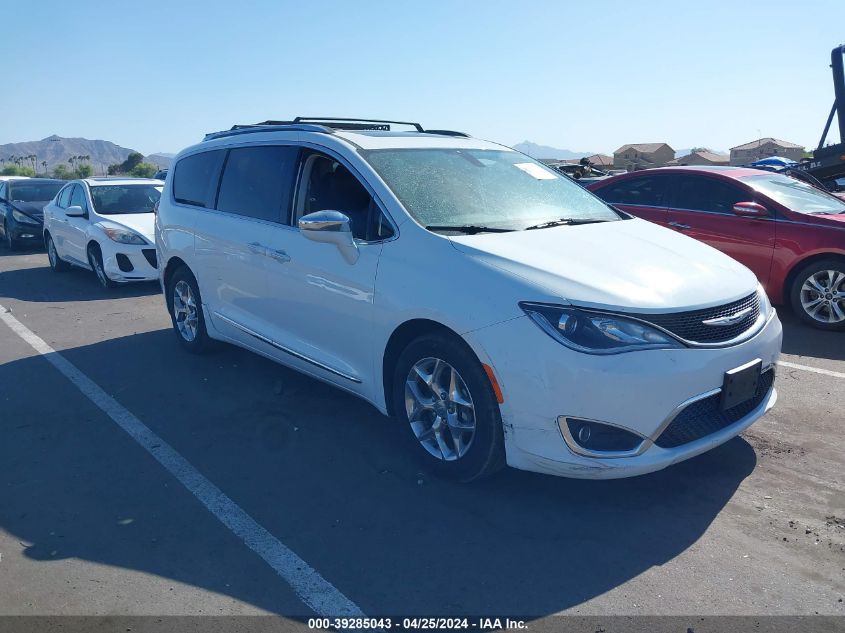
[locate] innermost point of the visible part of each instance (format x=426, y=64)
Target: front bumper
x=639, y=391
x=26, y=232
x=126, y=263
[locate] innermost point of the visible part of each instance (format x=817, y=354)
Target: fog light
x=584, y=434
x=589, y=437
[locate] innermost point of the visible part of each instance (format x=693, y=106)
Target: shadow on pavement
x=802, y=340
x=327, y=475
x=41, y=284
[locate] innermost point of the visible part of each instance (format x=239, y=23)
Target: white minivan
x=497, y=310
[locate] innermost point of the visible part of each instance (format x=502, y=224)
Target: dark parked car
x=21, y=209
x=788, y=232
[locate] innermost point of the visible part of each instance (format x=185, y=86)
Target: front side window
x=64, y=197
x=125, y=199
x=195, y=178
x=32, y=192
x=708, y=194
x=498, y=189
x=77, y=198
x=257, y=182
x=796, y=195
x=327, y=185
x=648, y=191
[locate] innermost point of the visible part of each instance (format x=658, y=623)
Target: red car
x=791, y=234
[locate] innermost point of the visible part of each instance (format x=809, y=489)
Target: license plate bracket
x=740, y=384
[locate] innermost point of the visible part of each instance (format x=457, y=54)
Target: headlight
x=123, y=236
x=765, y=304
x=23, y=218
x=597, y=333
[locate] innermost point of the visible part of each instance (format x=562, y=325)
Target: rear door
x=232, y=238
x=702, y=207
x=643, y=196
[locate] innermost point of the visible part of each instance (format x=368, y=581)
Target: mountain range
x=544, y=151
x=55, y=150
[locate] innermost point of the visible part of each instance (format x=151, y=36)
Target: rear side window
x=64, y=197
x=708, y=194
x=257, y=182
x=195, y=178
x=648, y=191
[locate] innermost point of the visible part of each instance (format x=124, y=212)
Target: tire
x=11, y=243
x=817, y=294
x=56, y=263
x=95, y=260
x=182, y=290
x=448, y=449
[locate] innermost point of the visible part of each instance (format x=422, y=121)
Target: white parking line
x=314, y=590
x=815, y=370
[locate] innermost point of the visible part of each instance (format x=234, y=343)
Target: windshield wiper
x=469, y=229
x=564, y=221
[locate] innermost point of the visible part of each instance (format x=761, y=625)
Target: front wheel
x=445, y=400
x=185, y=305
x=818, y=294
x=56, y=263
x=11, y=242
x=95, y=260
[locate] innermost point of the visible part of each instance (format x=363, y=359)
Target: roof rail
x=324, y=125
x=447, y=133
x=267, y=126
x=340, y=123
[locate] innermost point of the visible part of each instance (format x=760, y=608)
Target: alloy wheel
x=185, y=312
x=440, y=409
x=51, y=253
x=823, y=296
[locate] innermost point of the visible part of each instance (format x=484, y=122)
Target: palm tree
x=44, y=165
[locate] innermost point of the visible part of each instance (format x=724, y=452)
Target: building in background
x=602, y=161
x=702, y=157
x=763, y=148
x=636, y=156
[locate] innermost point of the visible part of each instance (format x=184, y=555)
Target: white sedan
x=105, y=225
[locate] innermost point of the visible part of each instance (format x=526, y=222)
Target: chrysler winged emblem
x=728, y=320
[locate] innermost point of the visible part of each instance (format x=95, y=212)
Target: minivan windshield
x=479, y=190
x=125, y=199
x=795, y=194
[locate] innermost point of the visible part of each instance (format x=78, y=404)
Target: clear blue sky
x=591, y=75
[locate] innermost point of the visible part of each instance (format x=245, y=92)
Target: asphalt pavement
x=93, y=523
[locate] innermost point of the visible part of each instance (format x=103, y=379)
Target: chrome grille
x=690, y=325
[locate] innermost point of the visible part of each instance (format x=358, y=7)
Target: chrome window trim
x=285, y=349
x=728, y=214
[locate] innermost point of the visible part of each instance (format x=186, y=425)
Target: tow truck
x=828, y=162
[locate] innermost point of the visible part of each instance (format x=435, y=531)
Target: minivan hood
x=627, y=264
x=143, y=223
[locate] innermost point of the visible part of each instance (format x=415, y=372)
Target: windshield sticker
x=533, y=169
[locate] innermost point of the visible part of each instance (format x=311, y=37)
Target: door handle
x=258, y=249
x=678, y=225
x=279, y=255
